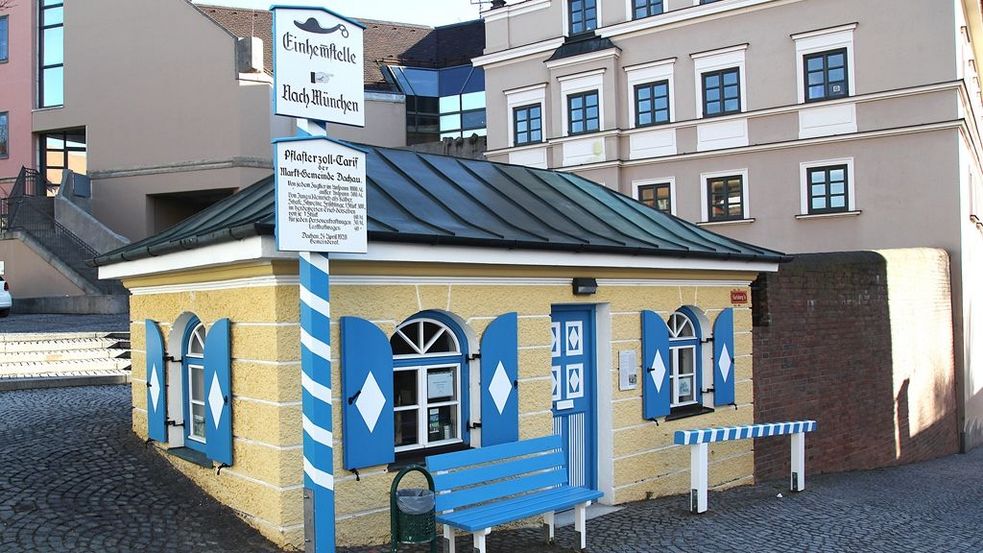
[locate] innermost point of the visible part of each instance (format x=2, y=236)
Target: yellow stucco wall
x=264, y=483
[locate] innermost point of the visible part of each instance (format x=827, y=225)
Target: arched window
x=430, y=382
x=684, y=351
x=193, y=384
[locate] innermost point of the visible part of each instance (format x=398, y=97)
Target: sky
x=423, y=12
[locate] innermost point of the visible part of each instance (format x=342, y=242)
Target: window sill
x=727, y=222
x=419, y=456
x=191, y=456
x=853, y=213
x=687, y=412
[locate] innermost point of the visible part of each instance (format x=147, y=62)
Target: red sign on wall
x=738, y=297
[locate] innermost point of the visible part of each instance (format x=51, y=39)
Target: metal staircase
x=30, y=209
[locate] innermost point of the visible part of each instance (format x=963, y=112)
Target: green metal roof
x=433, y=199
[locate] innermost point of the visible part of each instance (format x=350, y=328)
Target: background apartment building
x=164, y=108
x=800, y=125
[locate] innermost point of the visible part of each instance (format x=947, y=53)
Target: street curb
x=14, y=384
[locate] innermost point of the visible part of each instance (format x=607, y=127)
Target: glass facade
x=442, y=103
x=51, y=53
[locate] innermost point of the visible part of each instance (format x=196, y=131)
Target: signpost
x=320, y=208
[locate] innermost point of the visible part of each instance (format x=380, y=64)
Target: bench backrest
x=497, y=472
x=709, y=435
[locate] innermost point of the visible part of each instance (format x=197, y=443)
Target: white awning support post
x=798, y=476
x=698, y=466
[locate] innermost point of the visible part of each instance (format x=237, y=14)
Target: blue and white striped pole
x=315, y=366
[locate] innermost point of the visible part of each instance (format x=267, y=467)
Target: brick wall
x=861, y=342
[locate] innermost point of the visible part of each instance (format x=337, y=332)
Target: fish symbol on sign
x=320, y=77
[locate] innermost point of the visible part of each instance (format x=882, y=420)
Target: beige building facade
x=802, y=125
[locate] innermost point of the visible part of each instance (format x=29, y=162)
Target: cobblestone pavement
x=73, y=478
x=16, y=322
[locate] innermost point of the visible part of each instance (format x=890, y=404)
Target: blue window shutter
x=499, y=381
x=656, y=366
x=367, y=394
x=156, y=390
x=723, y=358
x=218, y=393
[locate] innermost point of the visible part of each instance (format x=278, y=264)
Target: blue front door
x=574, y=385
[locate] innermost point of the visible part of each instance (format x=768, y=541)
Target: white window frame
x=814, y=42
x=674, y=357
x=577, y=83
x=717, y=60
x=636, y=184
x=423, y=405
x=745, y=195
x=804, y=185
x=190, y=401
x=525, y=96
x=652, y=72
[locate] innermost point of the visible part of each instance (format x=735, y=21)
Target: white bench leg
x=580, y=523
x=798, y=476
x=698, y=460
x=479, y=540
x=449, y=545
x=549, y=525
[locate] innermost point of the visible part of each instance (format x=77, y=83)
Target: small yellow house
x=614, y=315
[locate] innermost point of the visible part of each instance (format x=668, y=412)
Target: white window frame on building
x=719, y=60
x=679, y=342
x=670, y=181
x=526, y=96
x=805, y=210
x=194, y=368
x=705, y=194
x=646, y=73
x=423, y=362
x=824, y=40
x=579, y=83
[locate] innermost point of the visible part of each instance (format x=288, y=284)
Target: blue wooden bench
x=481, y=488
x=698, y=439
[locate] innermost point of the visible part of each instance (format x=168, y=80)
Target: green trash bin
x=413, y=511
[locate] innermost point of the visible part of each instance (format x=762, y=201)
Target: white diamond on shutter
x=658, y=371
x=370, y=402
x=154, y=387
x=724, y=363
x=216, y=400
x=500, y=387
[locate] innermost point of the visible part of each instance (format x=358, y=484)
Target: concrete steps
x=68, y=358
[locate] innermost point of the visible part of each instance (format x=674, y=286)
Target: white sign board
x=320, y=196
x=317, y=60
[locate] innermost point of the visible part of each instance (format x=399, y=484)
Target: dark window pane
x=473, y=119
x=583, y=112
x=4, y=135
x=726, y=198
x=406, y=427
x=721, y=92
x=828, y=189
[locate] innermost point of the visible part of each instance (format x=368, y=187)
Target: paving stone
x=74, y=478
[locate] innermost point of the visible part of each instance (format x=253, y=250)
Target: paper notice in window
x=440, y=384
